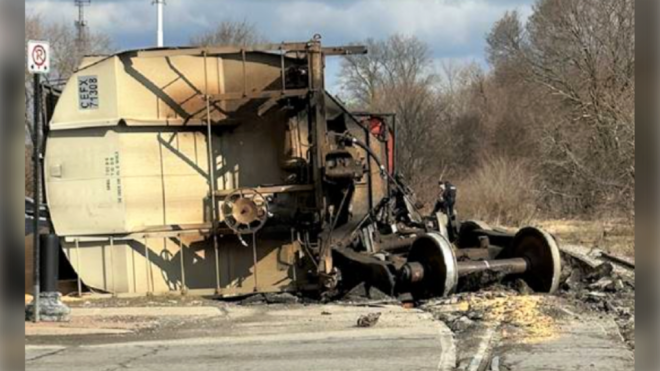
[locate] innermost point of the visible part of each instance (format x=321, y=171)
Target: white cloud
x=452, y=28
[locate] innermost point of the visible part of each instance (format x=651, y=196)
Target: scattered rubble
x=600, y=287
x=362, y=293
x=368, y=320
x=270, y=298
x=461, y=324
x=586, y=283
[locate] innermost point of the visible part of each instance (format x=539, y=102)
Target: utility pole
x=36, y=214
x=160, y=4
x=38, y=63
x=81, y=24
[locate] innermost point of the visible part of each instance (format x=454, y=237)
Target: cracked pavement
x=534, y=332
x=286, y=338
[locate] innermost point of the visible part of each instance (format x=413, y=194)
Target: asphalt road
x=186, y=337
x=307, y=338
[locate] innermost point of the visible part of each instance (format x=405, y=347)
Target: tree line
x=547, y=130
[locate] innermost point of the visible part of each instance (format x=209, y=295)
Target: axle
x=414, y=272
x=508, y=266
x=432, y=268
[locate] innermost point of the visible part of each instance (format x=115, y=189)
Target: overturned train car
x=227, y=171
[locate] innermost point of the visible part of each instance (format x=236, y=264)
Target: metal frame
x=392, y=123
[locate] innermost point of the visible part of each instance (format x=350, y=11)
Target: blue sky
x=454, y=29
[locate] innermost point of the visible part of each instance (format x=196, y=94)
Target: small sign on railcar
x=88, y=92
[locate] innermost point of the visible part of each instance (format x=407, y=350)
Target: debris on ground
x=461, y=324
x=603, y=288
x=362, y=292
x=587, y=284
x=478, y=281
x=368, y=320
x=495, y=364
x=270, y=298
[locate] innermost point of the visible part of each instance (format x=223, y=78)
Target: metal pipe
x=508, y=266
x=283, y=71
x=211, y=174
x=79, y=268
x=37, y=193
x=112, y=265
x=217, y=263
x=394, y=152
x=160, y=33
x=243, y=57
x=254, y=259
x=183, y=269
x=50, y=249
x=209, y=147
x=147, y=264
x=397, y=244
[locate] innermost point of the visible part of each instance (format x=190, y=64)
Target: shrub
x=500, y=191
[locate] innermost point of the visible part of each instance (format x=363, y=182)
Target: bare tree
x=580, y=53
x=397, y=76
x=230, y=33
x=65, y=54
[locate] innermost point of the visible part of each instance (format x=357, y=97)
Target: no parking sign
x=38, y=57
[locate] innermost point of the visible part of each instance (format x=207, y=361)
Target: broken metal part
x=491, y=252
x=344, y=50
x=467, y=234
x=397, y=244
x=357, y=268
x=341, y=166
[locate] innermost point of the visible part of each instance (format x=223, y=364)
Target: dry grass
x=501, y=192
x=616, y=236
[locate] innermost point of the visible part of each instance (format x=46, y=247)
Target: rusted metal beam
x=182, y=260
x=112, y=265
x=626, y=263
x=266, y=106
x=296, y=47
x=219, y=50
x=275, y=189
x=266, y=94
x=397, y=244
x=344, y=50
x=79, y=268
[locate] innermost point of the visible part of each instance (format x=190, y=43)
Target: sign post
x=38, y=63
